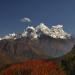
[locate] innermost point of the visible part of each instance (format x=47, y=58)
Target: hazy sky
x=51, y=12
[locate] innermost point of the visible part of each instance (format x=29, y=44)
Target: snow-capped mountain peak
x=56, y=32
x=42, y=29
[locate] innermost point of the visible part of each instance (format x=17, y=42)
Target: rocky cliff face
x=45, y=48
x=42, y=48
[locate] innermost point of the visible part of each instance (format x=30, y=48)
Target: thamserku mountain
x=37, y=43
x=31, y=32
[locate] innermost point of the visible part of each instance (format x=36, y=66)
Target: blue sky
x=51, y=12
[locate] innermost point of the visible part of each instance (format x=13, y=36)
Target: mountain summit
x=56, y=32
x=40, y=42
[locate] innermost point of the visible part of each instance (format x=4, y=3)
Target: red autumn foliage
x=34, y=67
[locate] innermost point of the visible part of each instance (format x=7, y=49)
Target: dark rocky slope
x=44, y=48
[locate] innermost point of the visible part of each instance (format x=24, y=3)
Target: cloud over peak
x=25, y=20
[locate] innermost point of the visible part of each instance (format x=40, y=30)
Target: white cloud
x=25, y=19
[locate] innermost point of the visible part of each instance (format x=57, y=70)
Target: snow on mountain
x=9, y=36
x=30, y=32
x=56, y=32
x=42, y=29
